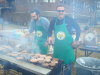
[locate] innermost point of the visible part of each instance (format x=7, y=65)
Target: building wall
x=82, y=10
x=28, y=5
x=23, y=8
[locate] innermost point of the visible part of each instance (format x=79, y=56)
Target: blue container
x=87, y=66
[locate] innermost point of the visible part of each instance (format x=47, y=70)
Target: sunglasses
x=60, y=10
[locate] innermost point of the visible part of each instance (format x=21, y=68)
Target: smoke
x=16, y=42
x=29, y=44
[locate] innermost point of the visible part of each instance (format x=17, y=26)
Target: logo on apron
x=60, y=35
x=39, y=33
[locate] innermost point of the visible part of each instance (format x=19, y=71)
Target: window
x=62, y=0
x=34, y=1
x=98, y=4
x=52, y=1
x=45, y=0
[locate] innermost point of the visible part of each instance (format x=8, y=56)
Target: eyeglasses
x=60, y=10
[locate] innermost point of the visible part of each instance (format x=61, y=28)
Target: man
x=39, y=27
x=62, y=27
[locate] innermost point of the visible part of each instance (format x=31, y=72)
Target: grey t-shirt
x=43, y=21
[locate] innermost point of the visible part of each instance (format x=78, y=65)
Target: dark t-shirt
x=71, y=26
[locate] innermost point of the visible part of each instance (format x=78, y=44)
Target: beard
x=61, y=16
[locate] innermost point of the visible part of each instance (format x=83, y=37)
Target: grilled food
x=19, y=58
x=33, y=60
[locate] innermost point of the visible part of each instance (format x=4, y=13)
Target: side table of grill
x=89, y=50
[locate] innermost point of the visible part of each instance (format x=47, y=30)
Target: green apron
x=41, y=37
x=63, y=44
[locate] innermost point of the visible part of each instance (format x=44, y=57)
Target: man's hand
x=75, y=44
x=46, y=43
x=26, y=34
x=50, y=40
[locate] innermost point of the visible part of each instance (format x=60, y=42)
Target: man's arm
x=51, y=27
x=78, y=31
x=50, y=31
x=46, y=23
x=31, y=26
x=75, y=26
x=30, y=30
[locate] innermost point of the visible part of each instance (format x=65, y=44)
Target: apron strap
x=63, y=21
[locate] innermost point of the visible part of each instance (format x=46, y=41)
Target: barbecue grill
x=18, y=57
x=29, y=68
